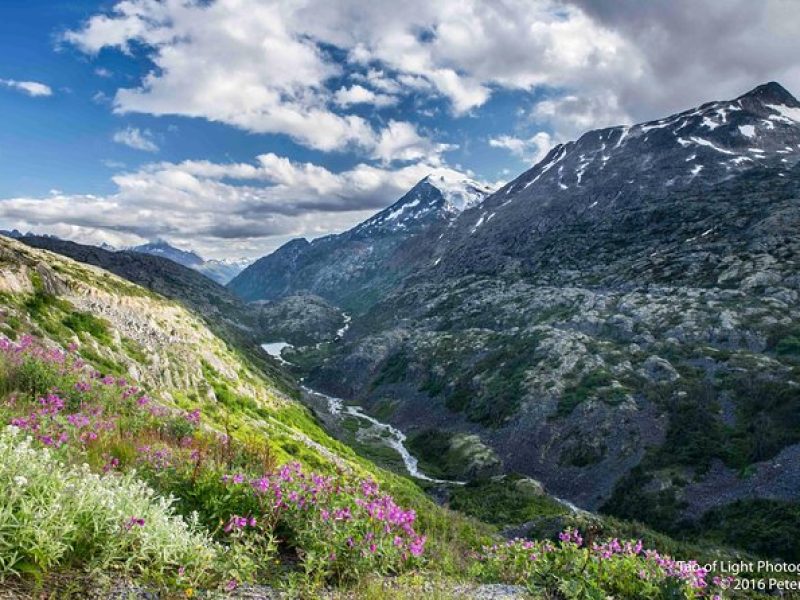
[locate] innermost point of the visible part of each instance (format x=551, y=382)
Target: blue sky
x=231, y=126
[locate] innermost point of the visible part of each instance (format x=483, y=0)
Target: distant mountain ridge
x=353, y=268
x=221, y=271
x=163, y=248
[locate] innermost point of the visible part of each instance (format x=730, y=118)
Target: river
x=394, y=438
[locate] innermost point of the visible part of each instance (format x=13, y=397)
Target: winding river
x=393, y=437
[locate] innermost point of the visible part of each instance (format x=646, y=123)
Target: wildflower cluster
x=246, y=512
x=343, y=526
x=52, y=514
x=621, y=569
x=71, y=404
x=339, y=526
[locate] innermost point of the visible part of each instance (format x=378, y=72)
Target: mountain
x=620, y=322
x=162, y=248
x=354, y=268
x=607, y=173
x=221, y=271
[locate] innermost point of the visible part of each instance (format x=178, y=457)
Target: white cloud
x=223, y=210
x=464, y=50
x=138, y=139
x=358, y=94
x=113, y=164
x=103, y=72
x=571, y=115
x=32, y=88
x=230, y=61
x=263, y=65
x=531, y=149
x=401, y=141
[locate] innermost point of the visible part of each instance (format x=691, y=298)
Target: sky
x=232, y=126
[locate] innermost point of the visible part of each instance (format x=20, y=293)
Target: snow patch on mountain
x=785, y=113
x=459, y=194
x=747, y=130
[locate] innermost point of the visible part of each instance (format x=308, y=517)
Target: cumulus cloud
x=263, y=65
x=358, y=94
x=222, y=209
x=571, y=115
x=532, y=149
x=236, y=62
x=138, y=139
x=401, y=141
x=690, y=52
x=32, y=88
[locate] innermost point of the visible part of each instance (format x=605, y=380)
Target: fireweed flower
x=193, y=417
x=236, y=522
x=134, y=522
x=339, y=516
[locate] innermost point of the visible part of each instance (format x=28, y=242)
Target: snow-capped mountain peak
x=459, y=193
x=439, y=197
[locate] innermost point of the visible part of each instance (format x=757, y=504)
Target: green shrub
x=55, y=516
x=503, y=502
x=788, y=346
x=81, y=322
x=768, y=527
x=589, y=385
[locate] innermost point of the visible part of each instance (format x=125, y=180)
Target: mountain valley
x=619, y=323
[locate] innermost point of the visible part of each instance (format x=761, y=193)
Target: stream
x=394, y=438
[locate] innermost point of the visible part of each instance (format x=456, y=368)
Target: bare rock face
x=657, y=369
x=226, y=315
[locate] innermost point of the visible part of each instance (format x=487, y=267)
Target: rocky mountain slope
x=606, y=174
x=621, y=322
x=221, y=271
x=124, y=328
x=356, y=267
x=226, y=315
